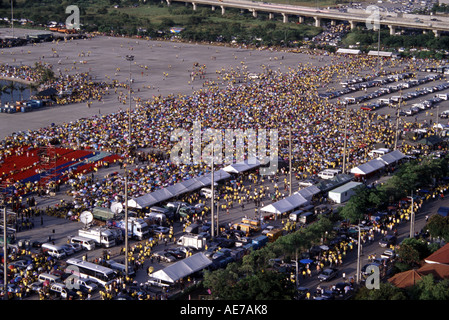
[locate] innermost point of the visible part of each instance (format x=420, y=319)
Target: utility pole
x=212, y=187
x=397, y=123
x=5, y=253
x=290, y=160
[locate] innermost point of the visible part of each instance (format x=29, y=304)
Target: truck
x=259, y=242
x=137, y=228
x=274, y=234
x=306, y=218
x=101, y=235
x=192, y=241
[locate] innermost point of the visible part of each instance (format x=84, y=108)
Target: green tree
x=412, y=251
x=438, y=227
x=386, y=291
x=428, y=288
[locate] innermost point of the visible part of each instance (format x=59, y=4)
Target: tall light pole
x=212, y=187
x=345, y=141
x=130, y=59
x=359, y=253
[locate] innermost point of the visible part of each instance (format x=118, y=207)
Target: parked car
x=75, y=246
x=62, y=291
x=225, y=252
x=165, y=256
x=387, y=241
x=267, y=229
x=160, y=229
x=328, y=274
x=20, y=264
x=89, y=285
x=36, y=286
x=388, y=254
x=68, y=249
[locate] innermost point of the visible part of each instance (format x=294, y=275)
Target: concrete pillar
x=194, y=6
x=213, y=8
x=301, y=19
x=270, y=16
x=436, y=32
x=285, y=18
x=353, y=24
x=222, y=10
x=168, y=2
x=317, y=21
x=254, y=13
x=392, y=29
x=333, y=22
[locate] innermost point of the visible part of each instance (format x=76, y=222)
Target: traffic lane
x=349, y=266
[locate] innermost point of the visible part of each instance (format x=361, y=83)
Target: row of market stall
x=342, y=183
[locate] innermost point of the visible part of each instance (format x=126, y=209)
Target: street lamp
x=359, y=253
x=130, y=59
x=345, y=141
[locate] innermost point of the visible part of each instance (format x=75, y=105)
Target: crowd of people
x=275, y=101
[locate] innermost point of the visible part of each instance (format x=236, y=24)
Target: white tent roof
x=286, y=204
x=350, y=51
x=183, y=268
x=368, y=167
x=381, y=53
x=172, y=191
x=242, y=166
x=309, y=192
x=346, y=187
x=392, y=157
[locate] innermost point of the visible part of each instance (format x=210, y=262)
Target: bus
x=88, y=270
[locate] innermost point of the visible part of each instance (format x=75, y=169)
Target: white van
x=328, y=173
x=86, y=243
x=51, y=278
x=156, y=215
x=53, y=250
x=206, y=192
x=378, y=152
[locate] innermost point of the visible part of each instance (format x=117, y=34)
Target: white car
x=75, y=246
x=86, y=283
x=388, y=254
x=267, y=229
x=161, y=229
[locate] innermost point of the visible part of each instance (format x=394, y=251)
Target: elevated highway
x=421, y=22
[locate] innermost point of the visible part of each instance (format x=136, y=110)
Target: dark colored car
x=387, y=241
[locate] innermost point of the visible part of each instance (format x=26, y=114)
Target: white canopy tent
x=392, y=157
x=172, y=191
x=309, y=192
x=289, y=203
x=183, y=268
x=242, y=166
x=349, y=51
x=368, y=167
